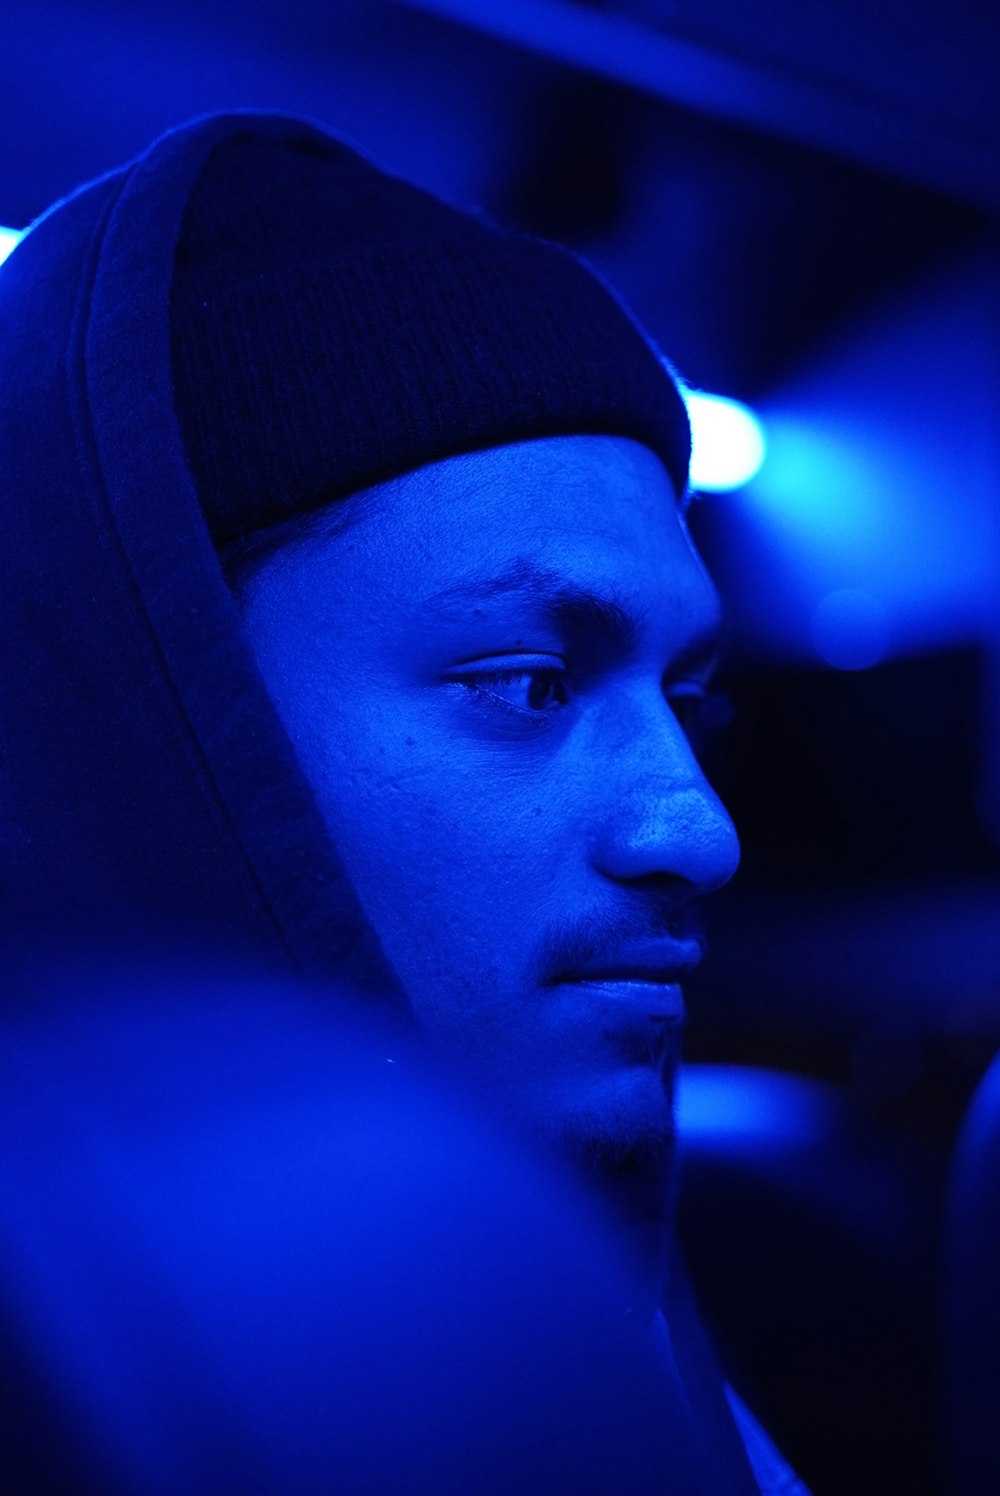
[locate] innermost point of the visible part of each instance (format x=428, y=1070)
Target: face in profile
x=490, y=676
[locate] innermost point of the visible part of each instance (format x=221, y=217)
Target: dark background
x=800, y=201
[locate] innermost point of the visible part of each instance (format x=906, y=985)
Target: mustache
x=595, y=939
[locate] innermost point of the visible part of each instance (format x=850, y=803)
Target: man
x=434, y=742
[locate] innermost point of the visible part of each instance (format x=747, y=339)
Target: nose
x=669, y=824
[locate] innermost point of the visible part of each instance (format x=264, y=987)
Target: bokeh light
x=727, y=441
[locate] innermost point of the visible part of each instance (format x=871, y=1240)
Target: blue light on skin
x=9, y=239
x=508, y=788
x=728, y=446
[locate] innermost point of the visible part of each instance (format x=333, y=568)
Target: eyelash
x=484, y=684
x=700, y=711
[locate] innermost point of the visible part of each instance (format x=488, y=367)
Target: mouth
x=644, y=995
x=641, y=976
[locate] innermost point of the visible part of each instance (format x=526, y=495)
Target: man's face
x=488, y=677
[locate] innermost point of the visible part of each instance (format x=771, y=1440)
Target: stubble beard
x=630, y=1165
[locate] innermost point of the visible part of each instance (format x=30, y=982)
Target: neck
x=635, y=1189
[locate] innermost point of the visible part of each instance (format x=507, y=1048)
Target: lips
x=619, y=1001
x=640, y=981
x=656, y=976
x=659, y=962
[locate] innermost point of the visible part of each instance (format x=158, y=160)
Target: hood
x=145, y=778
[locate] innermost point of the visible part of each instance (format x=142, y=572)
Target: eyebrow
x=563, y=604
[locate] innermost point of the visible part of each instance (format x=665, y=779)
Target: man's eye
x=535, y=689
x=700, y=712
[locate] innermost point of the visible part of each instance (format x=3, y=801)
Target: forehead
x=590, y=510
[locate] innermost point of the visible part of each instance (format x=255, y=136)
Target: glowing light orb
x=727, y=439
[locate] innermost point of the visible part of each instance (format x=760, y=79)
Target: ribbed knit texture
x=333, y=326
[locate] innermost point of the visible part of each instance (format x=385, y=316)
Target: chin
x=625, y=1126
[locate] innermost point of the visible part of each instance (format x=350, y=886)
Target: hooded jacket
x=146, y=778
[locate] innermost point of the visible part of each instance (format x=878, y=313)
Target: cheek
x=453, y=865
x=428, y=887
x=431, y=863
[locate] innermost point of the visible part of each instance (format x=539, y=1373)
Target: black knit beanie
x=333, y=326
